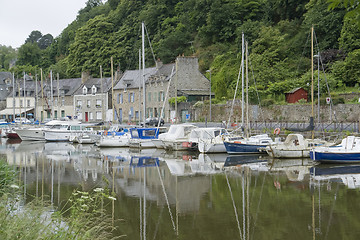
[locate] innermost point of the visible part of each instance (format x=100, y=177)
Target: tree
x=352, y=7
x=348, y=71
x=34, y=37
x=45, y=41
x=350, y=36
x=7, y=56
x=29, y=53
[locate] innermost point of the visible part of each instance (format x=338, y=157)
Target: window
x=93, y=90
x=132, y=98
x=84, y=90
x=121, y=98
x=78, y=103
x=162, y=98
x=98, y=115
x=88, y=103
x=129, y=97
x=28, y=103
x=63, y=101
x=62, y=113
x=98, y=103
x=55, y=102
x=91, y=116
x=21, y=103
x=149, y=96
x=155, y=96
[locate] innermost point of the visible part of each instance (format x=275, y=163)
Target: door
x=86, y=116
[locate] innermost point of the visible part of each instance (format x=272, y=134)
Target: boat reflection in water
x=349, y=175
x=179, y=195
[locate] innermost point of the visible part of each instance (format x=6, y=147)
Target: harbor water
x=180, y=195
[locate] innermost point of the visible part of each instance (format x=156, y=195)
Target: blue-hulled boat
x=141, y=137
x=346, y=152
x=247, y=145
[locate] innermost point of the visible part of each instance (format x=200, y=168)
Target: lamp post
x=209, y=71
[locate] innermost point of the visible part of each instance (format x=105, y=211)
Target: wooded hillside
x=277, y=32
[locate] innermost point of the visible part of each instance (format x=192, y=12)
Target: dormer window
x=93, y=90
x=84, y=90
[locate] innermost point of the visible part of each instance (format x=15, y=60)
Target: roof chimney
x=85, y=76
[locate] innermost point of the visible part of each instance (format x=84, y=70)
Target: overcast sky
x=18, y=18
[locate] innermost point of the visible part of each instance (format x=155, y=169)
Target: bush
x=267, y=102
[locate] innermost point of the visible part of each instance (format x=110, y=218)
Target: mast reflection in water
x=165, y=195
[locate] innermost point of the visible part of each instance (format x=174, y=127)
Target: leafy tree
x=7, y=56
x=350, y=36
x=90, y=48
x=29, y=53
x=45, y=41
x=348, y=71
x=352, y=8
x=34, y=37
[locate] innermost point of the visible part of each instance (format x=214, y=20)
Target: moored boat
x=348, y=151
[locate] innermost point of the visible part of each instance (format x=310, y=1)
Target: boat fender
x=277, y=131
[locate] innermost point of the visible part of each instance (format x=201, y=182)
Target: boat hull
x=240, y=148
x=286, y=153
x=205, y=147
x=333, y=157
x=31, y=134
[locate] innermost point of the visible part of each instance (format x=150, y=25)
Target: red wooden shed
x=295, y=95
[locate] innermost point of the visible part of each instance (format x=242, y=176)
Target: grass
x=82, y=217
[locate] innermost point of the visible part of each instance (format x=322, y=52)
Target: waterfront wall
x=278, y=113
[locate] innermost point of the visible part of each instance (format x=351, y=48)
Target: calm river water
x=163, y=195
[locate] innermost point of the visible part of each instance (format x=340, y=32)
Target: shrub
x=267, y=102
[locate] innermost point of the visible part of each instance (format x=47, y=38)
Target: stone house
x=5, y=87
x=92, y=100
x=60, y=103
x=19, y=102
x=162, y=82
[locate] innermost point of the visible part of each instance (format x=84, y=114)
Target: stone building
x=92, y=100
x=163, y=82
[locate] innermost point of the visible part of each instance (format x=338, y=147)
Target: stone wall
x=279, y=113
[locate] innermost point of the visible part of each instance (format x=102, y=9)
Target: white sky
x=18, y=18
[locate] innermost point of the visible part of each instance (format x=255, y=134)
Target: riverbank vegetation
x=278, y=34
x=83, y=216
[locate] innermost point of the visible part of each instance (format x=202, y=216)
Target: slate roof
x=95, y=82
x=132, y=78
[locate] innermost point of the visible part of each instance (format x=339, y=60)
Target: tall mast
x=242, y=80
x=58, y=96
x=36, y=96
x=143, y=69
x=42, y=94
x=112, y=89
x=24, y=100
x=312, y=77
x=52, y=95
x=247, y=93
x=140, y=86
x=102, y=95
x=13, y=96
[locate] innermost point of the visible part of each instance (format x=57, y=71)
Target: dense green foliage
x=277, y=33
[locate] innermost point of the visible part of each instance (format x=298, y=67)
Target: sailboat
x=253, y=144
x=295, y=145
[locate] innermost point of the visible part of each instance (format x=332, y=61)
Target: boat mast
x=143, y=69
x=140, y=86
x=112, y=90
x=312, y=77
x=24, y=100
x=242, y=80
x=58, y=96
x=52, y=95
x=36, y=96
x=42, y=94
x=13, y=96
x=247, y=92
